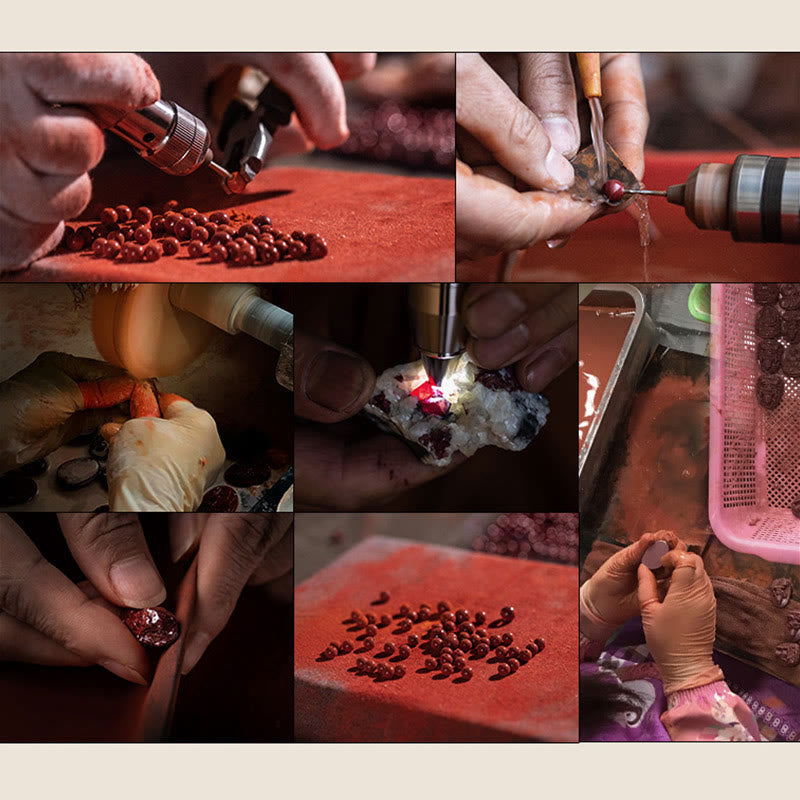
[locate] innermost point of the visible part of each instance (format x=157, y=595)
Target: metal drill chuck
x=437, y=327
x=165, y=135
x=757, y=198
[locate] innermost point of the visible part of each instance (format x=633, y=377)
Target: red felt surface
x=378, y=227
x=539, y=702
x=608, y=249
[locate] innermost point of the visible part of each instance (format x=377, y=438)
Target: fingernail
x=494, y=313
x=195, y=647
x=557, y=244
x=560, y=169
x=543, y=370
x=562, y=134
x=335, y=380
x=121, y=671
x=137, y=583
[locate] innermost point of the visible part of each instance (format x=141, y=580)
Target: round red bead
x=368, y=643
x=503, y=669
x=614, y=190
x=466, y=673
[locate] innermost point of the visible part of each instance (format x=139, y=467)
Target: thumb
x=110, y=430
x=648, y=588
x=331, y=383
x=167, y=401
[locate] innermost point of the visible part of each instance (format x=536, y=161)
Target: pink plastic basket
x=754, y=473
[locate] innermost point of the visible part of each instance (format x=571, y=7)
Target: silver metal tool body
x=165, y=135
x=757, y=198
x=437, y=327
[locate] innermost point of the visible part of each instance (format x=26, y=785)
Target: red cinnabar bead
x=503, y=669
x=507, y=613
x=614, y=190
x=466, y=673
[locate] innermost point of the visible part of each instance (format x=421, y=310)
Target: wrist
x=591, y=624
x=692, y=676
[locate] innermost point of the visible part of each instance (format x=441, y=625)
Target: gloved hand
x=163, y=464
x=43, y=405
x=49, y=145
x=610, y=597
x=680, y=630
x=517, y=127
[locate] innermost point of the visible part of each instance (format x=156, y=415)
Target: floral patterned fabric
x=768, y=709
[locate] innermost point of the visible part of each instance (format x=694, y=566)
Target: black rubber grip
x=771, y=193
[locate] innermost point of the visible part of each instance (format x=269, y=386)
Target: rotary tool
x=437, y=327
x=177, y=142
x=757, y=198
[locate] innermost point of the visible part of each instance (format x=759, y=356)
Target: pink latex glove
x=680, y=631
x=609, y=598
x=49, y=146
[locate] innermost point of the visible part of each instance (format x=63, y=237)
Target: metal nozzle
x=165, y=135
x=437, y=328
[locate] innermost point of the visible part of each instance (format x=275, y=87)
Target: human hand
x=332, y=384
x=49, y=144
x=163, y=464
x=47, y=619
x=517, y=127
x=48, y=403
x=232, y=550
x=680, y=631
x=610, y=597
x=532, y=326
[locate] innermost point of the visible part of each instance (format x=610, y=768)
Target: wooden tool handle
x=589, y=67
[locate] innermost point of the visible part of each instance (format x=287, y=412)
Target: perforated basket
x=754, y=470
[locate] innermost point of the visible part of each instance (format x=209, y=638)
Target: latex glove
x=163, y=464
x=680, y=631
x=533, y=326
x=47, y=619
x=45, y=405
x=517, y=123
x=312, y=80
x=610, y=597
x=334, y=468
x=49, y=145
x=232, y=551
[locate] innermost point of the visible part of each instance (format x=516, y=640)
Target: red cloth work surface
x=378, y=227
x=335, y=703
x=608, y=248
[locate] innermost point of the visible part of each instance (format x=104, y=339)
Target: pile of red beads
x=544, y=536
x=400, y=134
x=453, y=644
x=238, y=239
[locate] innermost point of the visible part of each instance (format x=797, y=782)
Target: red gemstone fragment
x=152, y=627
x=432, y=401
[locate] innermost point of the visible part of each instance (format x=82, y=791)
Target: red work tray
x=334, y=703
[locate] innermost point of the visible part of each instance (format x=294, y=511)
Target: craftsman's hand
x=313, y=81
x=333, y=384
x=610, y=597
x=47, y=619
x=49, y=145
x=43, y=406
x=532, y=326
x=680, y=631
x=517, y=127
x=232, y=551
x=163, y=464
